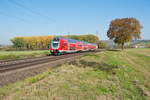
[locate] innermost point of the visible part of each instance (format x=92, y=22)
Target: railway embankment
x=15, y=70
x=107, y=75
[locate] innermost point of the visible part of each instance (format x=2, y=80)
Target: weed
x=36, y=78
x=91, y=55
x=100, y=66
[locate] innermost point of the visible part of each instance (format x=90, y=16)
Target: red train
x=63, y=45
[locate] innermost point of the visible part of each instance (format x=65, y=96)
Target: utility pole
x=97, y=34
x=68, y=33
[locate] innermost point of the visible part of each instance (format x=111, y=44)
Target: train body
x=63, y=45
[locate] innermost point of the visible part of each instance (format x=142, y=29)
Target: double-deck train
x=63, y=45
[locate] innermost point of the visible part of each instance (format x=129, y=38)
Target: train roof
x=73, y=40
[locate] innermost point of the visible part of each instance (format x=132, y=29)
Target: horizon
x=47, y=17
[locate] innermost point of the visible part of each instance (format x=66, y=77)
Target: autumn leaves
x=123, y=30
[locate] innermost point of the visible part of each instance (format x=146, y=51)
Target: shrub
x=101, y=45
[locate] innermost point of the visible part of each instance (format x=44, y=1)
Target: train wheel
x=58, y=54
x=55, y=54
x=48, y=54
x=52, y=54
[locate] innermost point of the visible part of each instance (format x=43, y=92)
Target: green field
x=4, y=55
x=108, y=75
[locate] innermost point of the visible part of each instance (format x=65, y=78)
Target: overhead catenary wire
x=11, y=16
x=30, y=10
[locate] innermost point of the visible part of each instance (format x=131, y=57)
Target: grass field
x=108, y=75
x=143, y=51
x=4, y=55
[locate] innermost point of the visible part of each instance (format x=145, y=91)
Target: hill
x=140, y=42
x=132, y=43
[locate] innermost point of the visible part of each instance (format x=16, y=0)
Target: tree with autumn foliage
x=123, y=30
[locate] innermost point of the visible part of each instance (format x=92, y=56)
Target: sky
x=58, y=17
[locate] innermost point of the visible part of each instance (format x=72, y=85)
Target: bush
x=101, y=45
x=148, y=46
x=8, y=48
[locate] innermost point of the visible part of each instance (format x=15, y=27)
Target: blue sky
x=58, y=17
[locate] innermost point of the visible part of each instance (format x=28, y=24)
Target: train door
x=79, y=46
x=65, y=46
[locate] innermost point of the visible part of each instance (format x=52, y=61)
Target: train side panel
x=64, y=45
x=79, y=46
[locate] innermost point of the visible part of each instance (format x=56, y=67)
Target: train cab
x=59, y=45
x=55, y=45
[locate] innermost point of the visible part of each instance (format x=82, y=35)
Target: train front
x=54, y=49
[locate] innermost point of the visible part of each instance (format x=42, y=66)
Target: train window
x=64, y=44
x=56, y=39
x=71, y=41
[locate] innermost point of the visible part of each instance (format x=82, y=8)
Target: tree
x=18, y=42
x=123, y=30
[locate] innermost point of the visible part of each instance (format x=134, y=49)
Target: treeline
x=87, y=38
x=43, y=42
x=31, y=43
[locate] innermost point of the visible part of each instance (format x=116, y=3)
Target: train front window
x=56, y=39
x=55, y=45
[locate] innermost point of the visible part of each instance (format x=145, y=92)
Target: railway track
x=10, y=61
x=30, y=62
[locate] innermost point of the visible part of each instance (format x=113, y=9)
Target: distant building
x=127, y=44
x=1, y=47
x=139, y=46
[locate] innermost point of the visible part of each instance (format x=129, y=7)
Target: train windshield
x=55, y=45
x=56, y=42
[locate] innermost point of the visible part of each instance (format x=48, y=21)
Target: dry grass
x=109, y=75
x=143, y=51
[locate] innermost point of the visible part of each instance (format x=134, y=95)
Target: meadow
x=107, y=75
x=14, y=55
